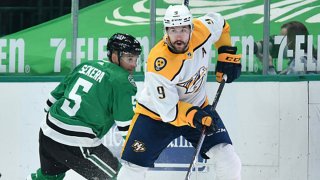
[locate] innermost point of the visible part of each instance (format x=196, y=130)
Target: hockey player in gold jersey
x=173, y=101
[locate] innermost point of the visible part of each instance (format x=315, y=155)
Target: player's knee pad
x=131, y=171
x=227, y=164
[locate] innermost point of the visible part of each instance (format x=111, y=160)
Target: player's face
x=179, y=37
x=129, y=61
x=283, y=31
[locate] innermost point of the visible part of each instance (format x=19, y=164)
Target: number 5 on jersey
x=71, y=111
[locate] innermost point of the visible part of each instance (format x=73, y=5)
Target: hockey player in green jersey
x=82, y=109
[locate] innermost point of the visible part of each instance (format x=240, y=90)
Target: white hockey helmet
x=177, y=15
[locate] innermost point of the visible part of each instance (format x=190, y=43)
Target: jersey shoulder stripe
x=200, y=35
x=163, y=62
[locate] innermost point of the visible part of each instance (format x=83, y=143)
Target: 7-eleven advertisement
x=46, y=49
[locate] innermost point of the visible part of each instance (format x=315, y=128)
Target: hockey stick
x=203, y=131
x=186, y=3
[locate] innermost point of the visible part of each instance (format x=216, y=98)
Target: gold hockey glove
x=228, y=63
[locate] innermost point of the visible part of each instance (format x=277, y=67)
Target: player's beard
x=180, y=46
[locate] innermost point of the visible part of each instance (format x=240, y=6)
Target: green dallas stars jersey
x=86, y=104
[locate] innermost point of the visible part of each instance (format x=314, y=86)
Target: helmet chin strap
x=119, y=56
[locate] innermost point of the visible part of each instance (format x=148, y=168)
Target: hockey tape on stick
x=186, y=3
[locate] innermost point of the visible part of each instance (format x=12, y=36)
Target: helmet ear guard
x=123, y=43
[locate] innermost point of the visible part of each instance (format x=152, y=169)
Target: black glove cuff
x=227, y=49
x=192, y=108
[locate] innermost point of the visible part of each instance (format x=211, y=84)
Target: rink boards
x=274, y=126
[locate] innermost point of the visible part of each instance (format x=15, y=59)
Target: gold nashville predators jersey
x=175, y=82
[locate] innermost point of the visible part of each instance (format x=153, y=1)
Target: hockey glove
x=197, y=118
x=228, y=63
x=215, y=120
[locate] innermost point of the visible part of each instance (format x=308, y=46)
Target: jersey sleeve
x=215, y=23
x=225, y=39
x=165, y=99
x=123, y=97
x=58, y=92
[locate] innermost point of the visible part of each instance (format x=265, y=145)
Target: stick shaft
x=203, y=131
